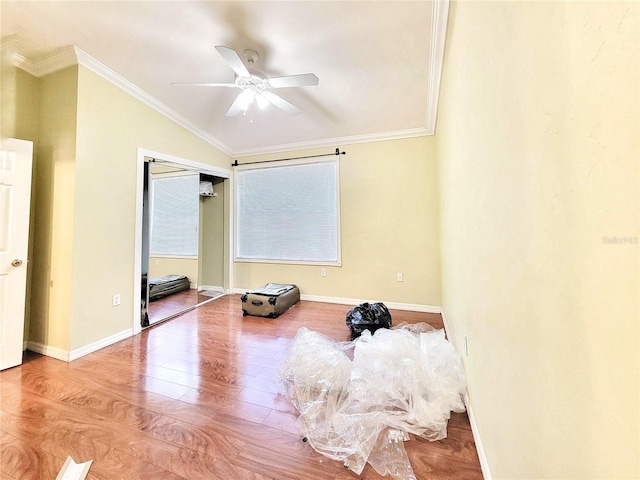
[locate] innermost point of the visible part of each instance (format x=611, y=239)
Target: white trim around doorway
x=142, y=156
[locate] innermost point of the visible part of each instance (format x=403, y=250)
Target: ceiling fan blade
x=234, y=60
x=303, y=80
x=235, y=109
x=281, y=103
x=205, y=84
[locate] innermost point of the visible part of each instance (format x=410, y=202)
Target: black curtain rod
x=337, y=152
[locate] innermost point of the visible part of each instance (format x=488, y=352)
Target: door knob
x=16, y=263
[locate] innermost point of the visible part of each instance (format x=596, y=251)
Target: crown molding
x=109, y=75
x=8, y=46
x=332, y=142
x=439, y=17
x=72, y=55
x=23, y=63
x=56, y=61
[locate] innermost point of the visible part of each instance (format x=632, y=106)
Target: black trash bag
x=368, y=316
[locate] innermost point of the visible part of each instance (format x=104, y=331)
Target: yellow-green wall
x=8, y=102
x=20, y=101
x=86, y=134
x=538, y=151
x=212, y=236
x=534, y=169
x=161, y=266
x=53, y=239
x=112, y=125
x=19, y=115
x=389, y=225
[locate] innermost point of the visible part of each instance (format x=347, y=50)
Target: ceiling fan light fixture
x=261, y=101
x=246, y=98
x=255, y=85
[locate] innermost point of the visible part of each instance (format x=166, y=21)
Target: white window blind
x=175, y=215
x=288, y=214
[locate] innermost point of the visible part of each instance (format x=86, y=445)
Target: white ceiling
x=378, y=62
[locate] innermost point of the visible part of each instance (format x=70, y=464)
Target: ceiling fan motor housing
x=255, y=82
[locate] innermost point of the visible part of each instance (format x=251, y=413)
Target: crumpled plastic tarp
x=360, y=400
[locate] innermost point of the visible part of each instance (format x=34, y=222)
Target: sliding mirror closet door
x=173, y=241
x=183, y=251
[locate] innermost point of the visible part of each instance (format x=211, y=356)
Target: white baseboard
x=413, y=307
x=354, y=301
x=213, y=288
x=69, y=356
x=446, y=325
x=49, y=351
x=95, y=346
x=484, y=464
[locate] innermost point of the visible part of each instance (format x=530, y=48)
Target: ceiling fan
x=255, y=86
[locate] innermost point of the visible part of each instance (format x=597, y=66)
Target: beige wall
x=53, y=216
x=20, y=88
x=84, y=216
x=538, y=149
x=537, y=162
x=8, y=90
x=20, y=100
x=389, y=224
x=112, y=125
x=212, y=236
x=161, y=266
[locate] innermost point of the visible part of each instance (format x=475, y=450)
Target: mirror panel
x=205, y=271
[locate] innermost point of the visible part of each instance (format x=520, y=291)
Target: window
x=288, y=214
x=175, y=215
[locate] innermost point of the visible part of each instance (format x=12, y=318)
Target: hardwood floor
x=175, y=304
x=190, y=398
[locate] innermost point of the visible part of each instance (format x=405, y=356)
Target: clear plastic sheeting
x=360, y=400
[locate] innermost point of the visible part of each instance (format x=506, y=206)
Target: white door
x=15, y=198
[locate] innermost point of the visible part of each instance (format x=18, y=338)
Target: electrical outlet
x=323, y=272
x=116, y=300
x=400, y=277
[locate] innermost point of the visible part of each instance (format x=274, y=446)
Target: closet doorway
x=184, y=236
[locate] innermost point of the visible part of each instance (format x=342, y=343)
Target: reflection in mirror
x=186, y=251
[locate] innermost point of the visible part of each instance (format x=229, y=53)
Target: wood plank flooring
x=191, y=398
x=177, y=303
